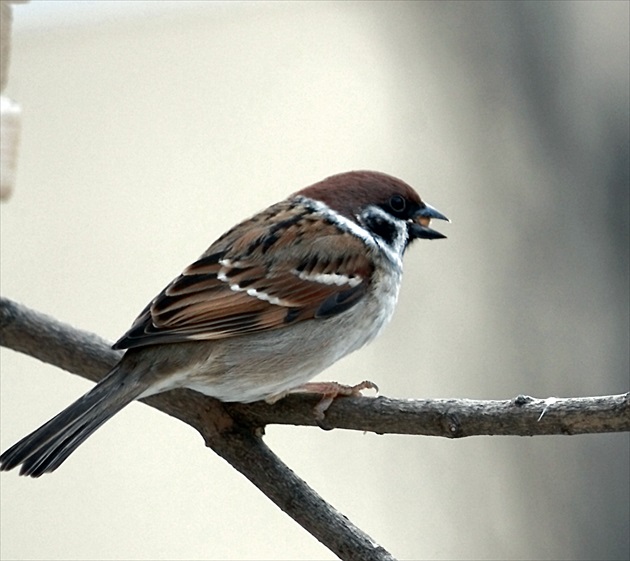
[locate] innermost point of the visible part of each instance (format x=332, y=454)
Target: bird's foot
x=329, y=392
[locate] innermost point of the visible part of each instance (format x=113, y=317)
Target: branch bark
x=234, y=431
x=238, y=441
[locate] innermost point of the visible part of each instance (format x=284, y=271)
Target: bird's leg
x=329, y=392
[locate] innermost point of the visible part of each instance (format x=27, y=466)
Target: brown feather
x=239, y=287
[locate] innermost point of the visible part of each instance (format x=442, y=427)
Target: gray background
x=150, y=130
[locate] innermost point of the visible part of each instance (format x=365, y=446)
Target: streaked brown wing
x=237, y=287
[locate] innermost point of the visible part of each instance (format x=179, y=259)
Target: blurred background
x=149, y=128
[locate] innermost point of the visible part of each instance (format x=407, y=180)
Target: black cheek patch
x=382, y=228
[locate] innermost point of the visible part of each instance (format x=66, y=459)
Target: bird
x=270, y=304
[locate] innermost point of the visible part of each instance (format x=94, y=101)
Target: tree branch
x=90, y=356
x=234, y=431
x=239, y=442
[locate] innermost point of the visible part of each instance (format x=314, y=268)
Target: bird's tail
x=45, y=449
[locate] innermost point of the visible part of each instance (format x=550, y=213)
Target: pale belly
x=260, y=366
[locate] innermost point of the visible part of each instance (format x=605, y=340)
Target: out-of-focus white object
x=5, y=41
x=9, y=110
x=10, y=113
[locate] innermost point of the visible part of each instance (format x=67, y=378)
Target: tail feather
x=45, y=449
x=50, y=458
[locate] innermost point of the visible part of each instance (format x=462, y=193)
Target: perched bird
x=270, y=304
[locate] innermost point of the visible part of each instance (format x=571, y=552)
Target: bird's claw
x=330, y=391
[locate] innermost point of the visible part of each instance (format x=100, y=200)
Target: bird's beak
x=419, y=226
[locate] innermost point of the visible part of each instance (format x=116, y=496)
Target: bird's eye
x=397, y=203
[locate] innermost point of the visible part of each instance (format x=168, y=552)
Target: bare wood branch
x=454, y=418
x=238, y=442
x=88, y=355
x=234, y=431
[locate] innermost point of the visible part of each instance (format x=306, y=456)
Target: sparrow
x=270, y=304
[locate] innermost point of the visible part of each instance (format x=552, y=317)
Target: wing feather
x=238, y=286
